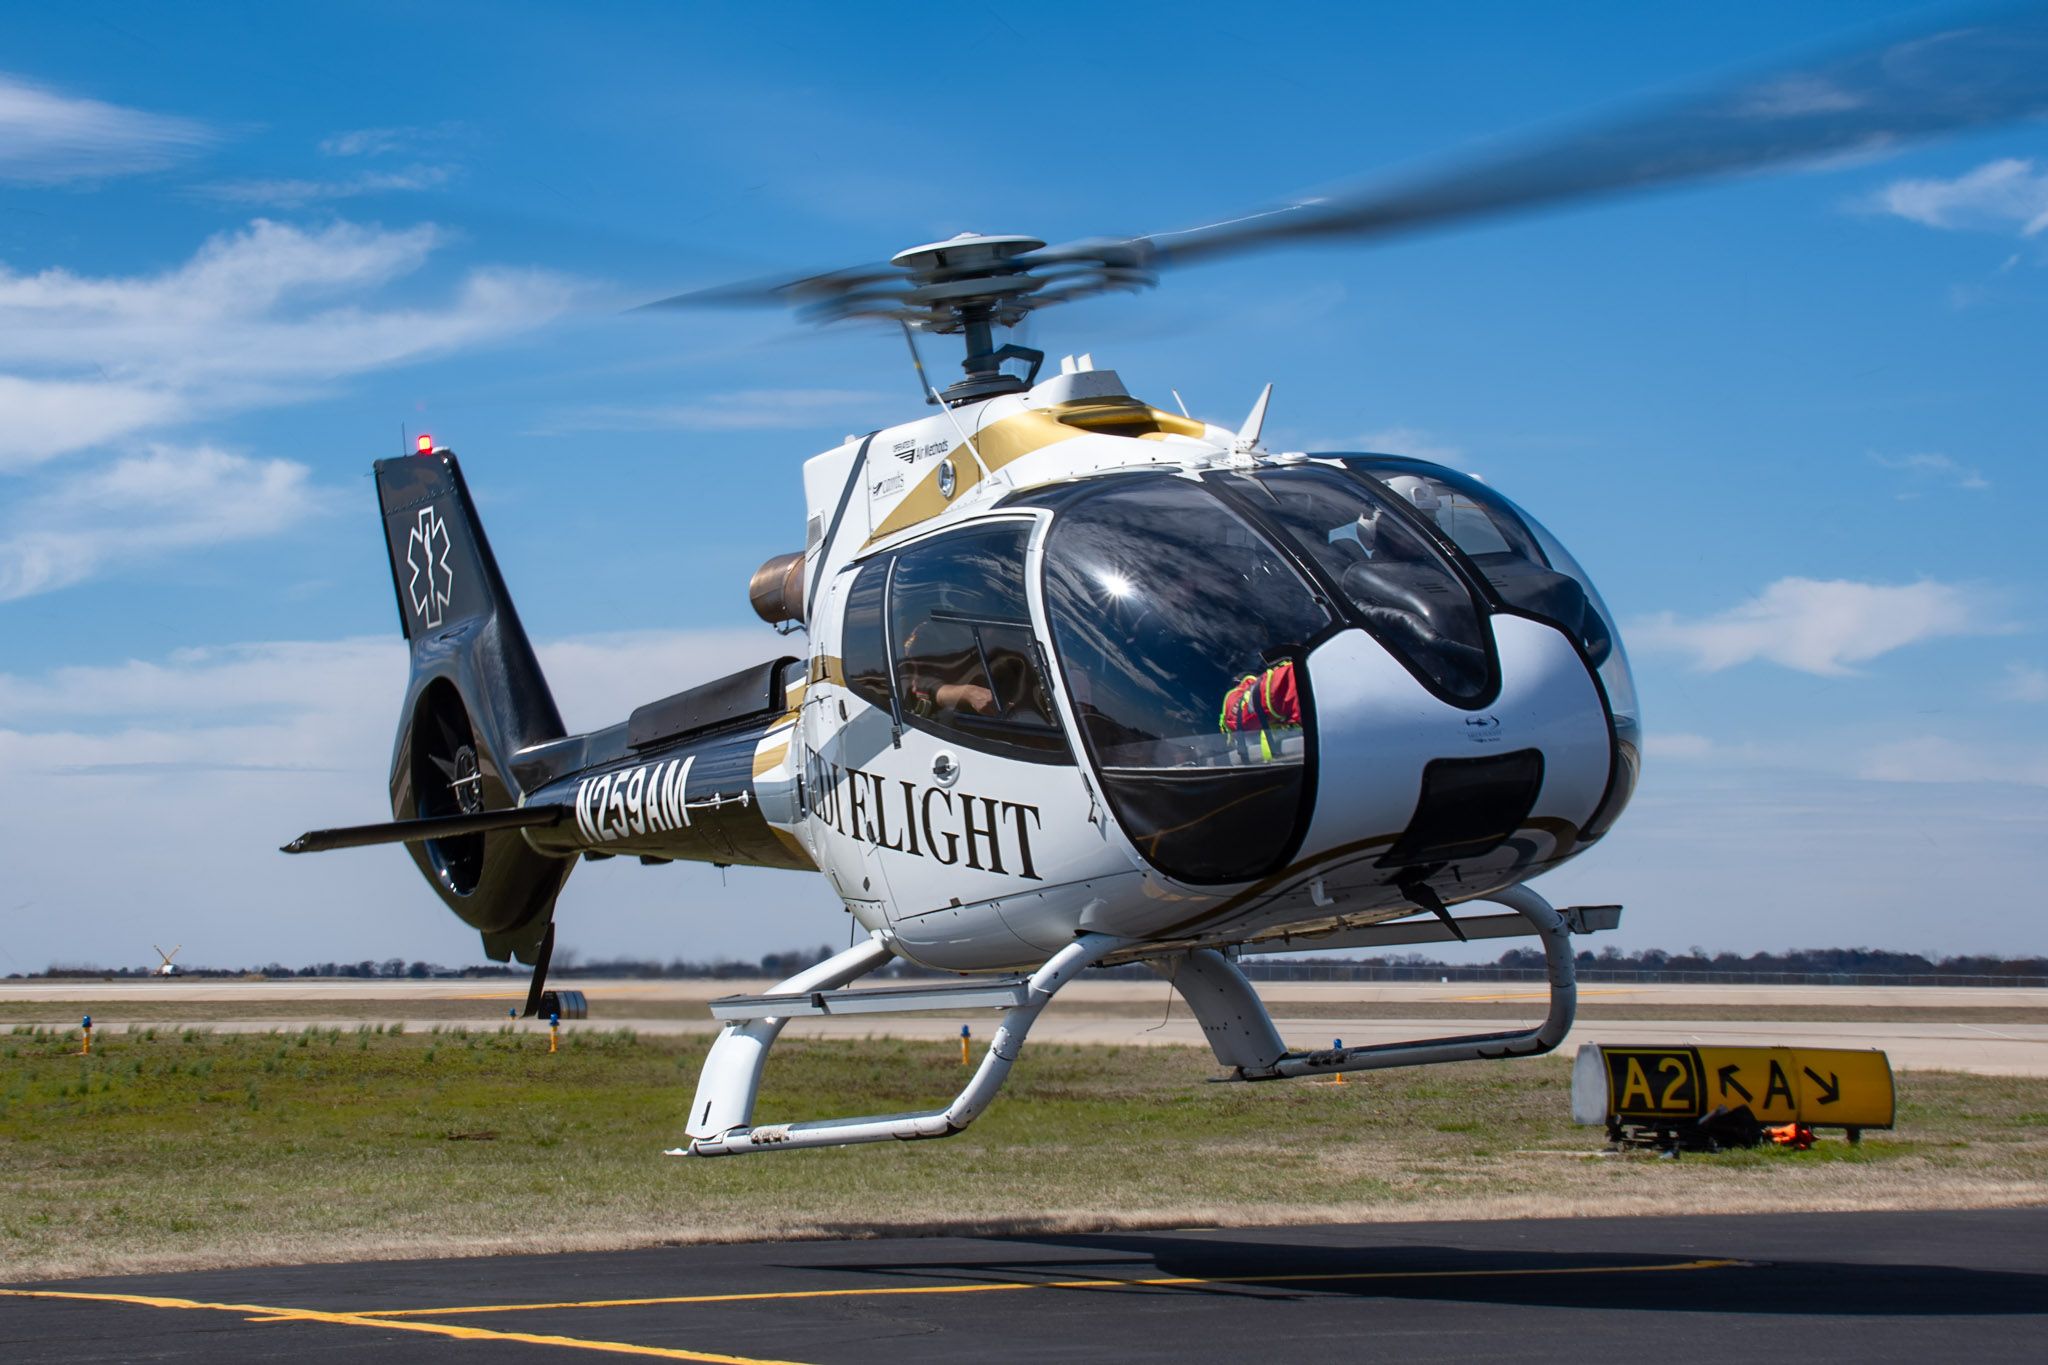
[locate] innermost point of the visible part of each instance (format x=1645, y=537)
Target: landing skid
x=722, y=1113
x=1239, y=1030
x=1242, y=1036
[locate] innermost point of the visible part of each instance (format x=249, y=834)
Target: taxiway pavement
x=1802, y=1287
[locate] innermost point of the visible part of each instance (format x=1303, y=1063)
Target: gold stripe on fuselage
x=1011, y=438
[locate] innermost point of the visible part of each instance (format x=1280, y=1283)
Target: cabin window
x=939, y=634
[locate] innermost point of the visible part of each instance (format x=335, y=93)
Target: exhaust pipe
x=777, y=589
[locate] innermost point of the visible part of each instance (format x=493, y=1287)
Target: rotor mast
x=970, y=285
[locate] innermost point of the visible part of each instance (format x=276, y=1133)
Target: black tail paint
x=476, y=697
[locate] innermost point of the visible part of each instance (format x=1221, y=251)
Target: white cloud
x=46, y=417
x=206, y=760
x=1412, y=441
x=256, y=316
x=296, y=194
x=341, y=690
x=2024, y=682
x=1936, y=466
x=743, y=410
x=1818, y=626
x=1794, y=95
x=47, y=138
x=1996, y=195
x=1678, y=745
x=381, y=141
x=1754, y=858
x=143, y=506
x=1932, y=758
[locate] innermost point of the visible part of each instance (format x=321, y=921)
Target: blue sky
x=1792, y=425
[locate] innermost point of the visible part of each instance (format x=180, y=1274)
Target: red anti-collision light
x=426, y=445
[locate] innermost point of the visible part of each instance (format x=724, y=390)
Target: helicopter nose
x=1496, y=788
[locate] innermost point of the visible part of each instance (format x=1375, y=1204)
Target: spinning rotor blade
x=1945, y=80
x=1961, y=75
x=796, y=293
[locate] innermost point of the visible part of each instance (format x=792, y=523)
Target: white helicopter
x=1087, y=681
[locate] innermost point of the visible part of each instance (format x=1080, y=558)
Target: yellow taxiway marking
x=1014, y=1286
x=265, y=1313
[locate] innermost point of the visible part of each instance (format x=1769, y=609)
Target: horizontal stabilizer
x=434, y=827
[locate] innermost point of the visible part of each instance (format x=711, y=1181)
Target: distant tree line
x=1650, y=963
x=1798, y=961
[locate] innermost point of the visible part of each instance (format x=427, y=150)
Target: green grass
x=182, y=1148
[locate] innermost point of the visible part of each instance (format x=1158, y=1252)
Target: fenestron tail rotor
x=1946, y=79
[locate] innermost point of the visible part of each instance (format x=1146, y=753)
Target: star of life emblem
x=426, y=553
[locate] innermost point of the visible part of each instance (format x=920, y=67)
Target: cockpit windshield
x=1180, y=632
x=1398, y=584
x=1531, y=572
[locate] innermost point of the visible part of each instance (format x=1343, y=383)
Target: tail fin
x=476, y=697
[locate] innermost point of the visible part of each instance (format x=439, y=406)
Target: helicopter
x=1085, y=681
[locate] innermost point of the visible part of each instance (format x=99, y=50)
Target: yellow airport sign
x=1832, y=1087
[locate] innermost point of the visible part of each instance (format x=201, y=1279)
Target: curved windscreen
x=1180, y=632
x=1529, y=571
x=1398, y=584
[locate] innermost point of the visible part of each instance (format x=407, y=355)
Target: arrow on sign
x=1830, y=1089
x=1728, y=1081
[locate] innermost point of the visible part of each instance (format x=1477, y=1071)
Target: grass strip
x=179, y=1148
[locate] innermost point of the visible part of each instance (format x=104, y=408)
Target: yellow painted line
x=262, y=1313
x=1006, y=1287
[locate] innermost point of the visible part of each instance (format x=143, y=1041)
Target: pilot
x=1262, y=702
x=926, y=694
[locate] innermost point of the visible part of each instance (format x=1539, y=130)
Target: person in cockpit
x=928, y=693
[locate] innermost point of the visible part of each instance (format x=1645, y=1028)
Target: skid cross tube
x=1241, y=1032
x=723, y=1110
x=1549, y=926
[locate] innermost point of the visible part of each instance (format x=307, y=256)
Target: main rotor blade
x=777, y=290
x=1959, y=76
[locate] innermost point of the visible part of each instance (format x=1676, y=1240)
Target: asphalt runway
x=1798, y=1287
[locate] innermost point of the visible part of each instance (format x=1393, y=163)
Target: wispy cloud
x=343, y=687
x=1679, y=745
x=49, y=138
x=1997, y=195
x=742, y=410
x=398, y=141
x=2023, y=683
x=256, y=316
x=1413, y=441
x=234, y=749
x=1819, y=626
x=1936, y=468
x=141, y=507
x=297, y=193
x=1932, y=758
